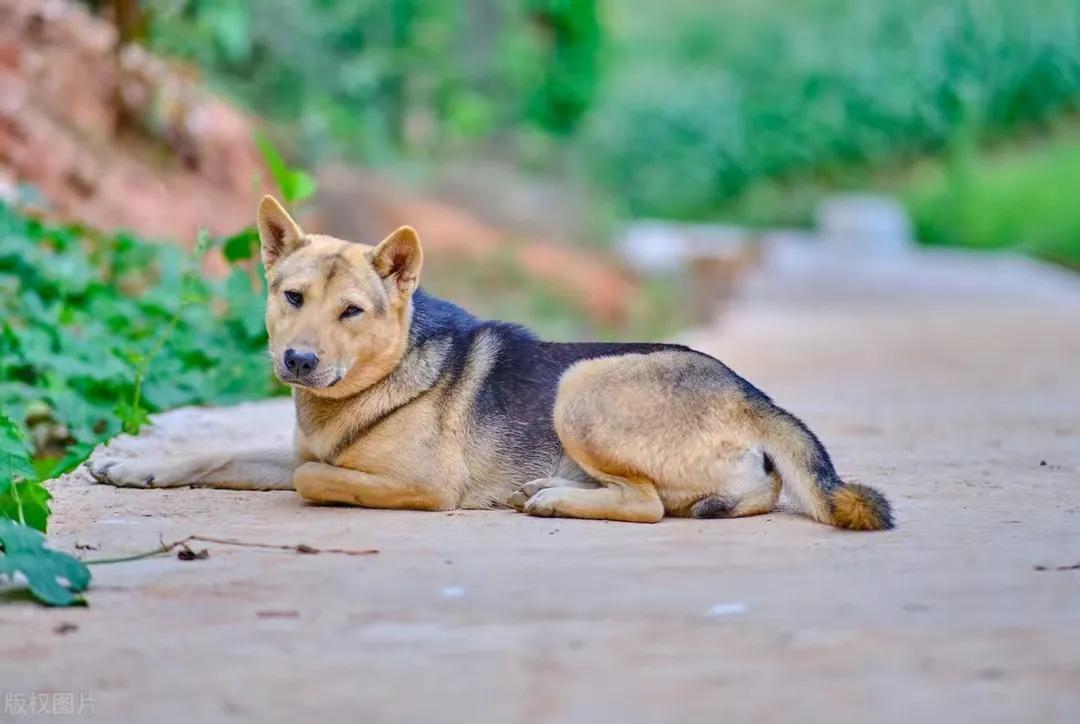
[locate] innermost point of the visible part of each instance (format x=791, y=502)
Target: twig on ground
x=1073, y=567
x=182, y=544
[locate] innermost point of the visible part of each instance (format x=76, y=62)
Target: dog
x=407, y=401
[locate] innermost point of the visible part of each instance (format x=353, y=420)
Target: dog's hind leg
x=269, y=469
x=665, y=433
x=611, y=492
x=750, y=486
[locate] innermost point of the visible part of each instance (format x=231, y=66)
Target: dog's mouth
x=311, y=382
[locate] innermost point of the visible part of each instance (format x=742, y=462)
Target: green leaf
x=245, y=305
x=9, y=343
x=274, y=161
x=132, y=416
x=301, y=186
x=242, y=245
x=295, y=185
x=14, y=453
x=27, y=502
x=54, y=578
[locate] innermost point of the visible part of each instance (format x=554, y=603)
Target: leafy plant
x=22, y=496
x=101, y=330
x=98, y=332
x=359, y=75
x=54, y=578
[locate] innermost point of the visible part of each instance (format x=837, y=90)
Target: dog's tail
x=808, y=475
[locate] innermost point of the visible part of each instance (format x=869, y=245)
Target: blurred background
x=594, y=168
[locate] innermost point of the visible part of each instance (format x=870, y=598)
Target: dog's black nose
x=300, y=363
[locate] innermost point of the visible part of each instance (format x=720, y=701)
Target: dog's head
x=337, y=311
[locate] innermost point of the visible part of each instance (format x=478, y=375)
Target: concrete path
x=952, y=383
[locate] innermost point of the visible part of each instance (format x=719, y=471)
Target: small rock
x=726, y=609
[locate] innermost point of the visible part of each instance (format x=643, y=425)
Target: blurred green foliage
x=674, y=108
x=100, y=330
x=708, y=99
x=1022, y=196
x=385, y=77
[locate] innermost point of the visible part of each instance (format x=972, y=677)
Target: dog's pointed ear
x=398, y=259
x=278, y=233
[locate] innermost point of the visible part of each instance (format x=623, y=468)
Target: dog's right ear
x=398, y=258
x=278, y=233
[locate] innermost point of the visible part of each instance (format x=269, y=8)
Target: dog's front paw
x=523, y=500
x=520, y=497
x=544, y=503
x=517, y=501
x=122, y=473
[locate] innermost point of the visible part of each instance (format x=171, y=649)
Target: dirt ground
x=950, y=383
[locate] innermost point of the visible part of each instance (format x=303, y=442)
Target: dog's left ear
x=397, y=259
x=279, y=235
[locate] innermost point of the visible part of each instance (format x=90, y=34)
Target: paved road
x=951, y=384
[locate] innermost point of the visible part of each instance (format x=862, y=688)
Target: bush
x=1018, y=197
x=712, y=97
x=380, y=77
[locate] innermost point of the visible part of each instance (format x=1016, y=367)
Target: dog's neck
x=433, y=317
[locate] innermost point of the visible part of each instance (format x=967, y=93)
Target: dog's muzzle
x=300, y=367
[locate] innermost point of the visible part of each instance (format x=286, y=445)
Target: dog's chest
x=372, y=438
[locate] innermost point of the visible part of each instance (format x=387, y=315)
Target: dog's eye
x=351, y=311
x=294, y=298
